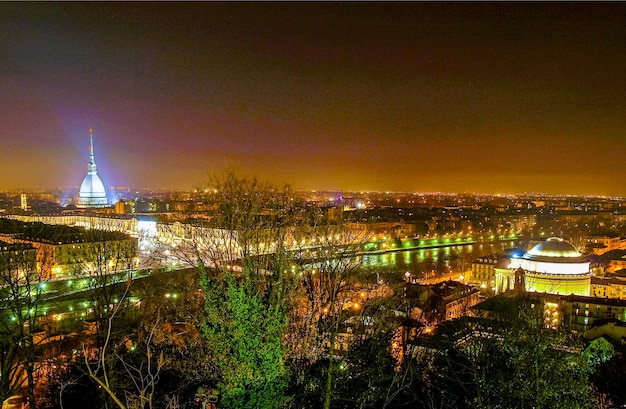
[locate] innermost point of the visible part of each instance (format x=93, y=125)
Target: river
x=420, y=262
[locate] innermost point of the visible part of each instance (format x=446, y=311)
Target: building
x=616, y=260
x=582, y=313
x=515, y=222
x=92, y=192
x=553, y=266
x=575, y=312
x=601, y=244
x=84, y=257
x=16, y=261
x=432, y=304
x=62, y=252
x=484, y=273
x=608, y=287
x=24, y=202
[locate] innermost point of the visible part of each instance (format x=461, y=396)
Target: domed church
x=92, y=192
x=553, y=266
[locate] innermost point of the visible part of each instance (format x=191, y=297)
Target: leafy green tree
x=247, y=345
x=240, y=251
x=609, y=377
x=598, y=351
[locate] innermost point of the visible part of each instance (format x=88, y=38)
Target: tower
x=23, y=202
x=92, y=192
x=520, y=281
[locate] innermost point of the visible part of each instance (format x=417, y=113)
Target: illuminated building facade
x=586, y=315
x=71, y=260
x=606, y=243
x=617, y=261
x=92, y=192
x=483, y=271
x=608, y=287
x=68, y=252
x=583, y=313
x=24, y=202
x=553, y=267
x=16, y=259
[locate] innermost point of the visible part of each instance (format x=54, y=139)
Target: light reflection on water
x=457, y=258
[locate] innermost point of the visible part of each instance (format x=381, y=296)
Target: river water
x=422, y=262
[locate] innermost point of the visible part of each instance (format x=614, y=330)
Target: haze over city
x=448, y=97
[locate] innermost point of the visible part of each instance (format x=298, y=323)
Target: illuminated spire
x=92, y=192
x=91, y=166
x=92, y=161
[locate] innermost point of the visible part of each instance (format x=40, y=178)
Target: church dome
x=556, y=250
x=92, y=192
x=553, y=266
x=553, y=256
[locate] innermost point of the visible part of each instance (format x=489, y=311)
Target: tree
x=100, y=371
x=331, y=291
x=368, y=376
x=144, y=339
x=609, y=377
x=26, y=270
x=107, y=262
x=22, y=287
x=371, y=377
x=241, y=254
x=174, y=301
x=513, y=362
x=140, y=370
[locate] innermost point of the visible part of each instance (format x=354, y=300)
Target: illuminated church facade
x=92, y=192
x=553, y=267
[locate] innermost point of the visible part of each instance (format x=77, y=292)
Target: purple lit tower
x=92, y=192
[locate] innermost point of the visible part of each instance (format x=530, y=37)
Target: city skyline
x=432, y=97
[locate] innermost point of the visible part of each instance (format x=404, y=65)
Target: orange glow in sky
x=449, y=97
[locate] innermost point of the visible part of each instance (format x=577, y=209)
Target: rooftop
x=55, y=234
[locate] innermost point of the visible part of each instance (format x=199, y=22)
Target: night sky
x=449, y=97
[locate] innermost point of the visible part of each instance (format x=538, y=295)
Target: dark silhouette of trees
x=513, y=362
x=22, y=287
